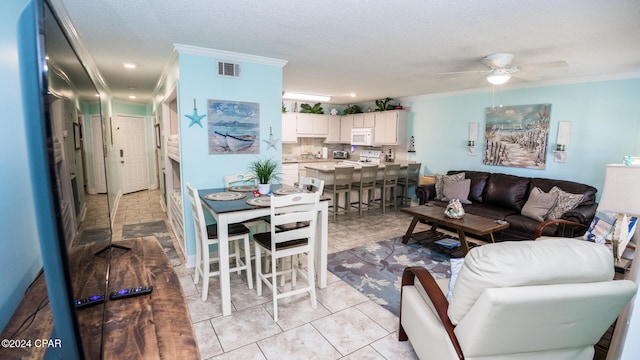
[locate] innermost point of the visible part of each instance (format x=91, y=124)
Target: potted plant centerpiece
x=266, y=170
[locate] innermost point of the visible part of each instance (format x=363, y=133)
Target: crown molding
x=228, y=55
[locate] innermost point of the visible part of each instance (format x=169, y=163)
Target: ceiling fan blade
x=544, y=65
x=464, y=72
x=528, y=76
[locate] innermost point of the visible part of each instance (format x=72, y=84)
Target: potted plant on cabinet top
x=266, y=170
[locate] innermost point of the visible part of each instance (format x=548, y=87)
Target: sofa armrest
x=437, y=298
x=425, y=193
x=571, y=227
x=582, y=214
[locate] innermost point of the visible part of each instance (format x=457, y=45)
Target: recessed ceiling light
x=308, y=97
x=132, y=96
x=353, y=94
x=130, y=65
x=131, y=87
x=97, y=95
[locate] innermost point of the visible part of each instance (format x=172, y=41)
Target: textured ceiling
x=375, y=49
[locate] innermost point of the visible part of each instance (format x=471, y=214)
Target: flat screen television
x=64, y=123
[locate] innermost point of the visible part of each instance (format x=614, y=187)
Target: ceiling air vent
x=228, y=69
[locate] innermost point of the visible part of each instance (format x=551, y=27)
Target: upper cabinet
x=333, y=134
x=390, y=128
x=289, y=134
x=312, y=125
x=364, y=120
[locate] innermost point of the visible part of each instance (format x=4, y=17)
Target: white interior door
x=97, y=149
x=131, y=143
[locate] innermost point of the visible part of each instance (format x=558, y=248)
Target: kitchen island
x=325, y=172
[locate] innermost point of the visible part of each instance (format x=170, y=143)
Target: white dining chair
x=276, y=244
x=206, y=236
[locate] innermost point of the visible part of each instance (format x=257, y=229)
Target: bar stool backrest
x=368, y=175
x=413, y=173
x=343, y=177
x=391, y=173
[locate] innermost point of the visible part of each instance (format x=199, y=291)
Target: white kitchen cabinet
x=391, y=128
x=289, y=133
x=364, y=120
x=333, y=134
x=289, y=174
x=369, y=120
x=312, y=125
x=346, y=124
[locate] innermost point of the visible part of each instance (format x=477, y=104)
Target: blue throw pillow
x=603, y=224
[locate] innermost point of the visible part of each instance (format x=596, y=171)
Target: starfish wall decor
x=195, y=118
x=271, y=142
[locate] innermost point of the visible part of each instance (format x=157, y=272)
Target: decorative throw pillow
x=440, y=182
x=566, y=201
x=539, y=204
x=603, y=224
x=456, y=265
x=456, y=190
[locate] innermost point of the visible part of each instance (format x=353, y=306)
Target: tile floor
x=345, y=325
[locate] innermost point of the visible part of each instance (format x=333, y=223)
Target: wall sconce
x=473, y=138
x=562, y=141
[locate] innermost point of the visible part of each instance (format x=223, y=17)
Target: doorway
x=97, y=155
x=131, y=144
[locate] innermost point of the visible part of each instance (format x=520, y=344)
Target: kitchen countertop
x=331, y=167
x=295, y=160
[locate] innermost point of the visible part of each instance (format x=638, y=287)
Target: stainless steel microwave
x=362, y=136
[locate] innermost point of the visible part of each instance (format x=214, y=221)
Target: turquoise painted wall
x=198, y=80
x=604, y=116
x=20, y=258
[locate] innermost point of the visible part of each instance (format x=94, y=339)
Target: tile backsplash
x=311, y=146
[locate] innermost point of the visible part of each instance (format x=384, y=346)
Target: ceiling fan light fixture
x=498, y=79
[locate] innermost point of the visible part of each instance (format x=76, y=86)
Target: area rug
x=158, y=229
x=376, y=269
x=90, y=236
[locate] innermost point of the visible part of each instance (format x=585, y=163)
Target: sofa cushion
x=566, y=201
x=478, y=183
x=524, y=263
x=440, y=182
x=589, y=192
x=539, y=204
x=456, y=190
x=509, y=191
x=492, y=212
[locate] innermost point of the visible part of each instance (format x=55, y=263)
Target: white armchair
x=549, y=299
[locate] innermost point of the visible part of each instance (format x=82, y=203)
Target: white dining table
x=238, y=211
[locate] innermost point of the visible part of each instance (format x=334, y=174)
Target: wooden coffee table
x=472, y=224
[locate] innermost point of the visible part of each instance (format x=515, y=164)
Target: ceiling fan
x=500, y=68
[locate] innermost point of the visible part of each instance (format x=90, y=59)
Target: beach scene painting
x=517, y=136
x=233, y=126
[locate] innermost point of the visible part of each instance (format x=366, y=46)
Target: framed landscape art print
x=517, y=136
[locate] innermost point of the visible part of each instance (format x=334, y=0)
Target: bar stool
x=412, y=178
x=388, y=185
x=368, y=175
x=342, y=179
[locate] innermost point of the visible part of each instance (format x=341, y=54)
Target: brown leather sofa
x=502, y=196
